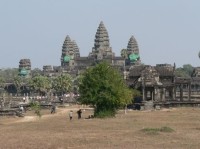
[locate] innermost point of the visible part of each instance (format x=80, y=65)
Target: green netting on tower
x=66, y=58
x=134, y=57
x=23, y=72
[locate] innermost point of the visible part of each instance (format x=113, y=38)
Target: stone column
x=181, y=92
x=174, y=92
x=152, y=95
x=163, y=94
x=156, y=94
x=189, y=91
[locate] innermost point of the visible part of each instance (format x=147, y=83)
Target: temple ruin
x=157, y=83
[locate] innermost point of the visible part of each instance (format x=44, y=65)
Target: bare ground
x=122, y=132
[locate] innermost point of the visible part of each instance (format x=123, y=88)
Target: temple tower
x=76, y=49
x=101, y=47
x=24, y=67
x=70, y=51
x=133, y=51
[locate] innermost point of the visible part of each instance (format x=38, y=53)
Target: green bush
x=157, y=130
x=37, y=108
x=153, y=131
x=104, y=114
x=166, y=129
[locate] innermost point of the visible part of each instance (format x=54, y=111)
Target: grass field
x=165, y=129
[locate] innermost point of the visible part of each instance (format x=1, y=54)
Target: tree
x=62, y=84
x=18, y=83
x=124, y=53
x=36, y=107
x=188, y=69
x=8, y=73
x=103, y=87
x=185, y=71
x=76, y=82
x=41, y=84
x=2, y=81
x=36, y=72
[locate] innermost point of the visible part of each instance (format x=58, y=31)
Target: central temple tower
x=101, y=49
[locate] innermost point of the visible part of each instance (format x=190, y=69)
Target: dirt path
x=31, y=118
x=60, y=111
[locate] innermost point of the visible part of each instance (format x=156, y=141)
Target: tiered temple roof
x=132, y=46
x=70, y=51
x=76, y=49
x=101, y=47
x=24, y=67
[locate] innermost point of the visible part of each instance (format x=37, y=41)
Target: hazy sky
x=167, y=31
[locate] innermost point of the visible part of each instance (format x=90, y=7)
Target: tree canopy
x=124, y=53
x=184, y=71
x=103, y=87
x=62, y=84
x=40, y=84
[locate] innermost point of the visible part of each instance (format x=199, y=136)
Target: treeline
x=60, y=84
x=11, y=82
x=185, y=71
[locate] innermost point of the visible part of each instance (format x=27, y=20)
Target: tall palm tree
x=62, y=84
x=17, y=83
x=40, y=84
x=124, y=53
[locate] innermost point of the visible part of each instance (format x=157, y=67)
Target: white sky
x=167, y=31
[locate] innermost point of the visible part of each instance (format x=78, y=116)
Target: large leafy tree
x=40, y=84
x=62, y=84
x=103, y=87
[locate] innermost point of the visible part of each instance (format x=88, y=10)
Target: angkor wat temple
x=157, y=83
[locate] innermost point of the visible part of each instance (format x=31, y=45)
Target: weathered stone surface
x=133, y=49
x=101, y=47
x=132, y=46
x=24, y=67
x=76, y=49
x=70, y=51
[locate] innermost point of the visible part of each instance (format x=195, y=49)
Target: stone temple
x=73, y=63
x=157, y=83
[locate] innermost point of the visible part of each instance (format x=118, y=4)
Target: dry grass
x=123, y=132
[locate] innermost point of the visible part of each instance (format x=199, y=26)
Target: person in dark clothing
x=70, y=115
x=79, y=112
x=53, y=109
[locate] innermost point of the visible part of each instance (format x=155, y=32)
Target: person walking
x=79, y=112
x=53, y=109
x=70, y=115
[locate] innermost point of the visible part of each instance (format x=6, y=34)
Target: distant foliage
x=40, y=84
x=37, y=108
x=62, y=84
x=104, y=88
x=185, y=71
x=36, y=72
x=124, y=53
x=8, y=74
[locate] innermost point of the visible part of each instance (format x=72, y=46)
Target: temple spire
x=76, y=49
x=133, y=51
x=132, y=46
x=101, y=47
x=101, y=37
x=70, y=51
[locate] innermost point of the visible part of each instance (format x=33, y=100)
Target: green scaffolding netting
x=134, y=57
x=23, y=72
x=67, y=58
